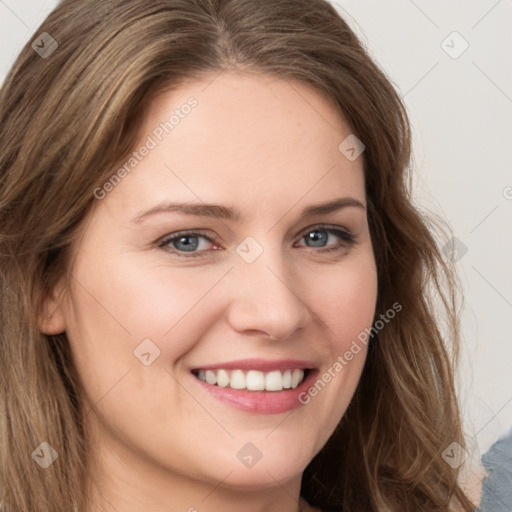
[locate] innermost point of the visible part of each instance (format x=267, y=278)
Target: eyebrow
x=218, y=211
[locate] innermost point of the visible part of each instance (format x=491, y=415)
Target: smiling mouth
x=253, y=380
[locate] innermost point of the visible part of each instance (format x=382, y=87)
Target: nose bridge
x=265, y=297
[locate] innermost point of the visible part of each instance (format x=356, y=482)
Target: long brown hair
x=70, y=118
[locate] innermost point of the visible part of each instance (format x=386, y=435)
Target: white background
x=461, y=111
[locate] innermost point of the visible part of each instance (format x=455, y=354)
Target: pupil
x=188, y=246
x=315, y=237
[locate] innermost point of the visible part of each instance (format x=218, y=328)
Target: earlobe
x=51, y=317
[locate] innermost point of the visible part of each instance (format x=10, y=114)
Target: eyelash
x=347, y=238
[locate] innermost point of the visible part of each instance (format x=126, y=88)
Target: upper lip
x=263, y=365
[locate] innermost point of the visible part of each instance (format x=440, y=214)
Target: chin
x=259, y=465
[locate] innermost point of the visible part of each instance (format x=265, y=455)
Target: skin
x=268, y=147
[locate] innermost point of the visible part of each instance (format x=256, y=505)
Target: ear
x=52, y=319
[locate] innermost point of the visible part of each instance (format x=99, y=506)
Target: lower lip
x=260, y=402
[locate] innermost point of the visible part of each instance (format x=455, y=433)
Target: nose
x=266, y=299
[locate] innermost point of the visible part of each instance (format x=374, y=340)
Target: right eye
x=185, y=243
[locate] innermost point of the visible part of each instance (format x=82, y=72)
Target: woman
x=217, y=291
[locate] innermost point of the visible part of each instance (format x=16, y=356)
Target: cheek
x=346, y=301
x=118, y=305
x=145, y=301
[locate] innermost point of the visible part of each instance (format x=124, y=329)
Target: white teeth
x=222, y=378
x=297, y=377
x=287, y=379
x=253, y=380
x=274, y=381
x=210, y=377
x=237, y=380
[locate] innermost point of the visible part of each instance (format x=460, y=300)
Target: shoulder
x=497, y=488
x=488, y=482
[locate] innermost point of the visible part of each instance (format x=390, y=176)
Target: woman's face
x=257, y=283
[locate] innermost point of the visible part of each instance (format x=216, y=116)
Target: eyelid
x=334, y=227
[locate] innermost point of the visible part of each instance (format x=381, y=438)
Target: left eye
x=188, y=244
x=319, y=236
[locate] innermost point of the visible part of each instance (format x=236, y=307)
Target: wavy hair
x=70, y=118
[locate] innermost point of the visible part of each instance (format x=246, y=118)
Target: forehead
x=254, y=139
